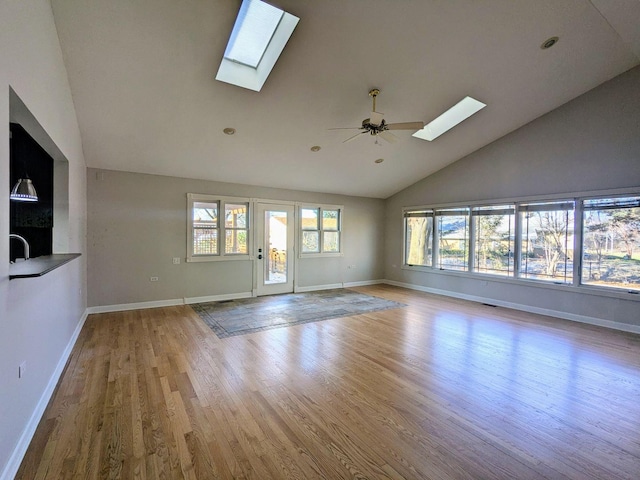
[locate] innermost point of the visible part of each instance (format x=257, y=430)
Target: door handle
x=260, y=256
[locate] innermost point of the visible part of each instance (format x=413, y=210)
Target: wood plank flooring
x=440, y=389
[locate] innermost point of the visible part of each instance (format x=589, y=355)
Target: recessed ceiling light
x=229, y=131
x=380, y=160
x=315, y=148
x=548, y=43
x=449, y=119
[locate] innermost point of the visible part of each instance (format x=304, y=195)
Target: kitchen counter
x=36, y=267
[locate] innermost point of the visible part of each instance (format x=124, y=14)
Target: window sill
x=566, y=287
x=320, y=255
x=218, y=258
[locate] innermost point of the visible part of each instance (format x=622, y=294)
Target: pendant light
x=24, y=191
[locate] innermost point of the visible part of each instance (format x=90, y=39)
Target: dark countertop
x=36, y=267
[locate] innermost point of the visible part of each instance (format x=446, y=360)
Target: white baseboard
x=13, y=464
x=601, y=322
x=363, y=283
x=218, y=298
x=136, y=306
x=314, y=288
x=122, y=307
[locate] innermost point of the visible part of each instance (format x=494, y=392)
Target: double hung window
x=320, y=230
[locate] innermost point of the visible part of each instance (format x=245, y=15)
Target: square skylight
x=259, y=35
x=449, y=119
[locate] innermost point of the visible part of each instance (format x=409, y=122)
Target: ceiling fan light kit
x=376, y=125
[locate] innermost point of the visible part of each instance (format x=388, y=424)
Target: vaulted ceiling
x=142, y=76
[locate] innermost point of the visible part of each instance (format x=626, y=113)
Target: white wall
x=38, y=317
x=591, y=143
x=137, y=223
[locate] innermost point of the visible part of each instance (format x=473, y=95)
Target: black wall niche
x=32, y=220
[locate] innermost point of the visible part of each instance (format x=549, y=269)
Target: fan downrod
x=374, y=92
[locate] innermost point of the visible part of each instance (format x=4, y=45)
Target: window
x=236, y=230
x=205, y=228
x=547, y=241
x=494, y=233
x=611, y=242
x=452, y=239
x=310, y=223
x=320, y=230
x=532, y=240
x=212, y=237
x=418, y=234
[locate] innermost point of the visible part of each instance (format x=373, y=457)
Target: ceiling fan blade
x=376, y=118
x=351, y=138
x=405, y=126
x=388, y=136
x=345, y=128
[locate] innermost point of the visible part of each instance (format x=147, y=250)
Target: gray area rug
x=249, y=315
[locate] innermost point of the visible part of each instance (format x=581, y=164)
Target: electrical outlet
x=176, y=260
x=22, y=369
x=153, y=279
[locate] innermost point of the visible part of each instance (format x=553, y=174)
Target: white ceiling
x=142, y=79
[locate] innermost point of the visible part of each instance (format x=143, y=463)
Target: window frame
x=563, y=204
x=575, y=229
x=321, y=208
x=437, y=237
x=221, y=202
x=583, y=209
x=478, y=211
x=427, y=213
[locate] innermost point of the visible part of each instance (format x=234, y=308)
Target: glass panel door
x=275, y=258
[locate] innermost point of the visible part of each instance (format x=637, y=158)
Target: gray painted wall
x=591, y=143
x=38, y=316
x=137, y=223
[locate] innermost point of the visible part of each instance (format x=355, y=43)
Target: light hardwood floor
x=439, y=389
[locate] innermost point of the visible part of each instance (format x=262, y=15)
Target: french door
x=275, y=256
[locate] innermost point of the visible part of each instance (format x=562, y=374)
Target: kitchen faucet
x=24, y=242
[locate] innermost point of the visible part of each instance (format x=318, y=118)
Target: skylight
x=449, y=119
x=259, y=35
x=254, y=28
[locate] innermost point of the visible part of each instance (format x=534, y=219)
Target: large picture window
x=611, y=242
x=218, y=228
x=452, y=239
x=494, y=235
x=547, y=241
x=418, y=230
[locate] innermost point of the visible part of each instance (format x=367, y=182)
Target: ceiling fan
x=377, y=126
